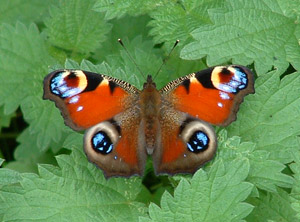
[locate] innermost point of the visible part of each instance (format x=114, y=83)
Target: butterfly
x=124, y=125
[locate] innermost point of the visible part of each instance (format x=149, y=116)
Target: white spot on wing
x=79, y=108
x=74, y=99
x=224, y=95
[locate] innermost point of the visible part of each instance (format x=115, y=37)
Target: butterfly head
x=149, y=83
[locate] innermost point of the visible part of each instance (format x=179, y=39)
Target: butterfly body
x=124, y=125
x=149, y=105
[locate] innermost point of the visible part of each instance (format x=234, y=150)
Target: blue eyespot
x=101, y=143
x=198, y=142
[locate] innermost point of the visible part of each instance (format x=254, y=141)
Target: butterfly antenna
x=165, y=60
x=131, y=58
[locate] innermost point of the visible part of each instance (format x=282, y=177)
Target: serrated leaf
x=44, y=119
x=126, y=29
x=216, y=196
x=119, y=8
x=177, y=19
x=114, y=71
x=144, y=56
x=265, y=173
x=111, y=70
x=27, y=147
x=74, y=26
x=73, y=140
x=24, y=59
x=8, y=176
x=246, y=32
x=76, y=191
x=24, y=65
x=26, y=11
x=272, y=207
x=27, y=155
x=270, y=117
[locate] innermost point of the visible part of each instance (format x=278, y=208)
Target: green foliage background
x=255, y=175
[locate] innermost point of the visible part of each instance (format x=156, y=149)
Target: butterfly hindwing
x=186, y=143
x=115, y=146
x=212, y=95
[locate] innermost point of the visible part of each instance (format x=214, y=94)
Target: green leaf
x=24, y=65
x=246, y=32
x=4, y=119
x=44, y=119
x=27, y=147
x=177, y=19
x=26, y=11
x=214, y=196
x=114, y=71
x=126, y=29
x=144, y=56
x=295, y=194
x=8, y=177
x=74, y=191
x=270, y=117
x=73, y=140
x=75, y=27
x=119, y=8
x=121, y=65
x=24, y=61
x=27, y=154
x=292, y=9
x=264, y=173
x=272, y=207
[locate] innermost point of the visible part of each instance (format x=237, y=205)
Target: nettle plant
x=45, y=175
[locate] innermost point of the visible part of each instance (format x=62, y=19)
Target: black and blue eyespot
x=198, y=142
x=101, y=143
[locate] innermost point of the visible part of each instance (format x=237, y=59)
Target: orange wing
x=87, y=98
x=212, y=95
x=107, y=108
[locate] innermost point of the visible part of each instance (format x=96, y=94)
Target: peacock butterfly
x=123, y=124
